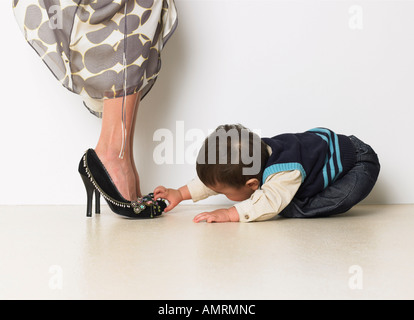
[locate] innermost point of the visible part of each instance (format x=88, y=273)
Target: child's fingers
x=200, y=217
x=159, y=189
x=160, y=192
x=169, y=207
x=197, y=219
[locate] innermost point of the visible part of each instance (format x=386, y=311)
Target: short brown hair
x=226, y=151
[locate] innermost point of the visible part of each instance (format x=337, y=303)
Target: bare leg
x=122, y=171
x=138, y=187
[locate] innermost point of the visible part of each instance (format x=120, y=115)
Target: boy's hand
x=219, y=215
x=173, y=196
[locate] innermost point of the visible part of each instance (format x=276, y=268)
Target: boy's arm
x=276, y=193
x=174, y=196
x=194, y=190
x=185, y=193
x=198, y=190
x=264, y=204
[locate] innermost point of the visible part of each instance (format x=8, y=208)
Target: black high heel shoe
x=97, y=180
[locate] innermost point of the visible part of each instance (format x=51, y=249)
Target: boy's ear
x=253, y=184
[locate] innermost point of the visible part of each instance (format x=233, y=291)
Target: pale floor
x=52, y=252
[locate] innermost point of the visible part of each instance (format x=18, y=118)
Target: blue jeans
x=344, y=193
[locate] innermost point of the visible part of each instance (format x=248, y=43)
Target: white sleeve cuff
x=198, y=190
x=244, y=209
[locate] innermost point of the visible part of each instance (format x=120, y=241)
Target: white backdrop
x=274, y=66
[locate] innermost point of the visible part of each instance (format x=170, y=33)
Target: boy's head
x=231, y=161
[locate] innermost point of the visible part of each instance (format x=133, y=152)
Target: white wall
x=276, y=66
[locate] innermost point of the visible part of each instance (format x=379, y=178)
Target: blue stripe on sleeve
x=280, y=167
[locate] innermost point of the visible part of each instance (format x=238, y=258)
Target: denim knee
x=367, y=157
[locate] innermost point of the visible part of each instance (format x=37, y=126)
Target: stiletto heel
x=89, y=192
x=97, y=202
x=96, y=179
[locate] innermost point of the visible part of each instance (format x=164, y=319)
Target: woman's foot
x=121, y=172
x=96, y=179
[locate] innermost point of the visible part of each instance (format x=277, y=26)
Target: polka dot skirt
x=99, y=49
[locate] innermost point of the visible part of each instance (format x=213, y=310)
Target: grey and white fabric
x=99, y=49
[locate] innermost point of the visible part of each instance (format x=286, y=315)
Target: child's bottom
x=345, y=192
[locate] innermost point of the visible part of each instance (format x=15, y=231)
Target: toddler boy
x=317, y=173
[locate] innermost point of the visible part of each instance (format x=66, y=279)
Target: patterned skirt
x=99, y=49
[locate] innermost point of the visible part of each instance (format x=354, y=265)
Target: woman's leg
x=138, y=186
x=108, y=148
